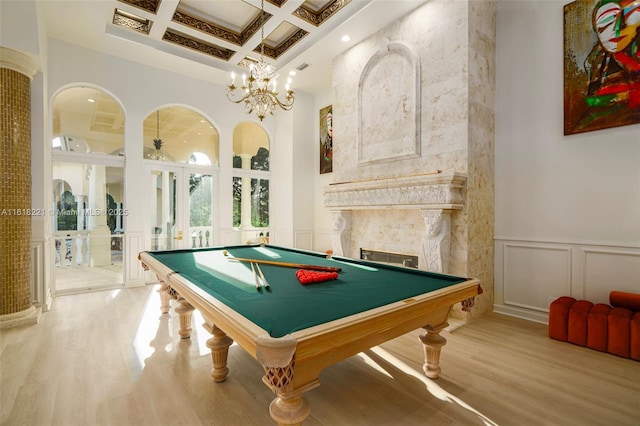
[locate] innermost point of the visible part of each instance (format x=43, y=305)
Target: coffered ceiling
x=207, y=39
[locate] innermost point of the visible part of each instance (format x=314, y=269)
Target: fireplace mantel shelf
x=430, y=191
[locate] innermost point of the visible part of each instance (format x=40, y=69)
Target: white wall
x=567, y=208
x=323, y=224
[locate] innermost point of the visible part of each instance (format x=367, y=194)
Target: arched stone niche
x=389, y=105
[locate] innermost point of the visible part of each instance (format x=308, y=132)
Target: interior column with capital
x=16, y=72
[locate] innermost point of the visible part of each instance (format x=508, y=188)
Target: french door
x=182, y=206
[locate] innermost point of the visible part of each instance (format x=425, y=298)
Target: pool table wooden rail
x=293, y=362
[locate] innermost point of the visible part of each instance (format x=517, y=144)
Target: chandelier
x=259, y=90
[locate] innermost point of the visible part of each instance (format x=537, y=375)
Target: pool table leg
x=184, y=310
x=277, y=357
x=165, y=298
x=290, y=408
x=219, y=345
x=433, y=343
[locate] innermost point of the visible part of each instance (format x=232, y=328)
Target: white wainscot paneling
x=304, y=240
x=605, y=270
x=133, y=267
x=322, y=241
x=37, y=272
x=535, y=273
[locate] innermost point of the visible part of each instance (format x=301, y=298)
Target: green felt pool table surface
x=289, y=306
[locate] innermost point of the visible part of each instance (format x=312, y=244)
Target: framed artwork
x=601, y=64
x=326, y=140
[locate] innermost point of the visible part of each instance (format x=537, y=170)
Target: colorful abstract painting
x=326, y=140
x=601, y=64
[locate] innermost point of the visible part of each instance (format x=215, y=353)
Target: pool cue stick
x=265, y=283
x=287, y=264
x=255, y=277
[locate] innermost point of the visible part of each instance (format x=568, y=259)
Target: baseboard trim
x=535, y=316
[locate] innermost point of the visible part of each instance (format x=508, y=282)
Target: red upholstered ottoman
x=621, y=299
x=577, y=327
x=559, y=317
x=615, y=330
x=597, y=325
x=619, y=329
x=634, y=344
x=627, y=306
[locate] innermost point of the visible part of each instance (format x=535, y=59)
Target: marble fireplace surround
x=435, y=194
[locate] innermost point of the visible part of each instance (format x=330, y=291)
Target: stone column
x=81, y=212
x=99, y=232
x=153, y=209
x=16, y=71
x=165, y=205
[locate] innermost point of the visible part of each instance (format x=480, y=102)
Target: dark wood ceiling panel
x=148, y=5
x=275, y=52
x=197, y=45
x=200, y=24
x=317, y=18
x=131, y=21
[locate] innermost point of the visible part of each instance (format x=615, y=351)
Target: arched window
x=200, y=159
x=180, y=134
x=86, y=119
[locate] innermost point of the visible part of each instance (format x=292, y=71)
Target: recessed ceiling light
x=292, y=72
x=345, y=38
x=91, y=100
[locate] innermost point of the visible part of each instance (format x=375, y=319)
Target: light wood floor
x=111, y=358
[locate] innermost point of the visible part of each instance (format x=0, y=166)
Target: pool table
x=293, y=330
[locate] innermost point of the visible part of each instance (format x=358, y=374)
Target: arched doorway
x=181, y=161
x=251, y=179
x=88, y=190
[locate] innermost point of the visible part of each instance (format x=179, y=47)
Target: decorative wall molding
x=133, y=268
x=395, y=102
x=603, y=270
x=534, y=273
x=303, y=239
x=531, y=274
x=37, y=272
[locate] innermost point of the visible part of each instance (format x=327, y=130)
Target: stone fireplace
x=434, y=195
x=413, y=131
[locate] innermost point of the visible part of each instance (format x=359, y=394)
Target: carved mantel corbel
x=436, y=243
x=341, y=234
